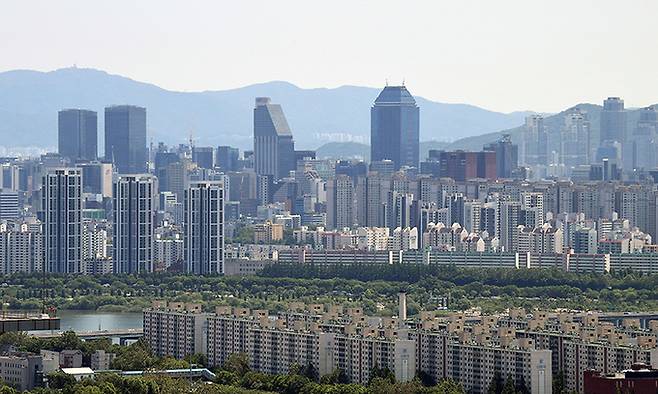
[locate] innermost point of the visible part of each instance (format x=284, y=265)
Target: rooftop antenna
x=402, y=81
x=386, y=81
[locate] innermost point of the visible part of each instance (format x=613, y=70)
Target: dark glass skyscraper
x=227, y=158
x=77, y=136
x=394, y=127
x=274, y=148
x=613, y=128
x=613, y=120
x=125, y=138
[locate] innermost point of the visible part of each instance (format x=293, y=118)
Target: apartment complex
x=530, y=348
x=175, y=329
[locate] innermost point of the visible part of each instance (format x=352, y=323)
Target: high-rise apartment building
x=176, y=329
x=509, y=214
x=125, y=138
x=61, y=204
x=77, y=137
x=21, y=249
x=532, y=205
x=395, y=127
x=340, y=202
x=134, y=203
x=204, y=228
x=274, y=148
x=9, y=206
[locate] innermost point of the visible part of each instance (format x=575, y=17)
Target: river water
x=93, y=321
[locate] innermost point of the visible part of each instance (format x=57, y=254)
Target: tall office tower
x=135, y=204
x=61, y=204
x=97, y=178
x=227, y=158
x=575, y=144
x=203, y=156
x=383, y=167
x=534, y=141
x=507, y=156
x=395, y=127
x=510, y=211
x=645, y=139
x=9, y=207
x=460, y=165
x=204, y=228
x=125, y=138
x=274, y=148
x=177, y=178
x=340, y=202
x=77, y=136
x=613, y=128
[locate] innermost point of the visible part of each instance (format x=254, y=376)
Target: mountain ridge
x=30, y=99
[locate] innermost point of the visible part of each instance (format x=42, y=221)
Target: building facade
x=134, y=203
x=204, y=228
x=77, y=137
x=395, y=128
x=125, y=138
x=274, y=148
x=61, y=203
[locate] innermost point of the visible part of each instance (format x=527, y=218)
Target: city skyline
x=162, y=230
x=497, y=56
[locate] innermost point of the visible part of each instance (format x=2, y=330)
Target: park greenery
x=372, y=286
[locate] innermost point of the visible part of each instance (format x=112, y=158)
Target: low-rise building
x=70, y=358
x=101, y=360
x=22, y=371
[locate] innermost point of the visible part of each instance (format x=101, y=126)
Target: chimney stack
x=402, y=305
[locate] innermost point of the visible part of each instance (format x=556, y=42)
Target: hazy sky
x=499, y=54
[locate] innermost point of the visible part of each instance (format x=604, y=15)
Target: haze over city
x=504, y=56
x=364, y=197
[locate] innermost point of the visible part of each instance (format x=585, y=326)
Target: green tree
x=60, y=380
x=136, y=357
x=496, y=384
x=559, y=386
x=238, y=363
x=509, y=387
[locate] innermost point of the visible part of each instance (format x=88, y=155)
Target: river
x=92, y=321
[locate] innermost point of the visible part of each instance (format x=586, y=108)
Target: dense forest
x=374, y=287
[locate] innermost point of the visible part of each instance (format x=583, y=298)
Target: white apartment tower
x=61, y=203
x=134, y=201
x=204, y=228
